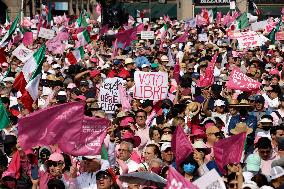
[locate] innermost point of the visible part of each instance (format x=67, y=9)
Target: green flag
x=4, y=118
x=49, y=16
x=11, y=31
x=104, y=154
x=243, y=21
x=271, y=35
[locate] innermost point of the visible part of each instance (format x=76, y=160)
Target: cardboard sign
x=248, y=39
x=46, y=33
x=150, y=85
x=202, y=37
x=109, y=94
x=210, y=180
x=279, y=36
x=147, y=34
x=22, y=53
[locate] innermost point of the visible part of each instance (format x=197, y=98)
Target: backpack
x=281, y=119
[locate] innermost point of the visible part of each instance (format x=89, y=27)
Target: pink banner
x=208, y=79
x=176, y=181
x=124, y=99
x=239, y=81
x=183, y=38
x=28, y=38
x=229, y=150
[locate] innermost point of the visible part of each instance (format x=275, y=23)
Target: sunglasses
x=102, y=176
x=54, y=163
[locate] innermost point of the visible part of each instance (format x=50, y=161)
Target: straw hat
x=240, y=128
x=243, y=103
x=193, y=107
x=199, y=144
x=233, y=102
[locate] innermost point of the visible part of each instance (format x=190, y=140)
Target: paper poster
x=22, y=53
x=248, y=39
x=46, y=33
x=211, y=180
x=147, y=35
x=109, y=94
x=150, y=85
x=202, y=37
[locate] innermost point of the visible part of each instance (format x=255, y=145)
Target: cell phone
x=34, y=173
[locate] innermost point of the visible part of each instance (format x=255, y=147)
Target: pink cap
x=94, y=60
x=56, y=157
x=5, y=64
x=274, y=72
x=125, y=122
x=93, y=73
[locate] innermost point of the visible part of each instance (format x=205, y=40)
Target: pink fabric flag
x=98, y=9
x=183, y=38
x=36, y=130
x=62, y=36
x=282, y=10
x=17, y=39
x=181, y=146
x=240, y=81
x=226, y=19
x=54, y=45
x=103, y=30
x=200, y=20
x=140, y=28
x=28, y=38
x=14, y=167
x=218, y=18
x=126, y=36
x=124, y=98
x=229, y=150
x=176, y=181
x=208, y=79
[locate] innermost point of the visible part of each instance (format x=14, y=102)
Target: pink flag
x=218, y=18
x=226, y=19
x=126, y=36
x=240, y=81
x=28, y=38
x=17, y=39
x=114, y=52
x=229, y=150
x=14, y=167
x=181, y=146
x=176, y=181
x=54, y=45
x=62, y=36
x=177, y=71
x=200, y=20
x=98, y=9
x=140, y=28
x=124, y=98
x=36, y=130
x=183, y=38
x=208, y=79
x=103, y=30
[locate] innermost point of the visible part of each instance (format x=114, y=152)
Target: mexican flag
x=4, y=118
x=28, y=80
x=84, y=37
x=243, y=21
x=7, y=18
x=75, y=56
x=81, y=21
x=272, y=34
x=163, y=32
x=10, y=32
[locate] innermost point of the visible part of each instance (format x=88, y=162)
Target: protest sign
x=210, y=180
x=109, y=94
x=150, y=85
x=22, y=53
x=176, y=181
x=191, y=22
x=259, y=25
x=239, y=81
x=147, y=34
x=202, y=37
x=54, y=45
x=28, y=38
x=248, y=39
x=270, y=26
x=279, y=36
x=46, y=33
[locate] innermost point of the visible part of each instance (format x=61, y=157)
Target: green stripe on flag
x=4, y=118
x=82, y=53
x=7, y=17
x=271, y=35
x=104, y=154
x=38, y=56
x=86, y=36
x=11, y=30
x=243, y=21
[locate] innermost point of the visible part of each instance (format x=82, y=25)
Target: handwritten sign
x=279, y=36
x=109, y=94
x=150, y=85
x=248, y=39
x=147, y=34
x=202, y=37
x=22, y=53
x=210, y=180
x=239, y=81
x=46, y=33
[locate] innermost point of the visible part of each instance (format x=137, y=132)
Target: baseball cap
x=165, y=146
x=250, y=184
x=144, y=66
x=94, y=73
x=276, y=172
x=125, y=121
x=253, y=162
x=56, y=157
x=219, y=102
x=116, y=62
x=71, y=85
x=5, y=64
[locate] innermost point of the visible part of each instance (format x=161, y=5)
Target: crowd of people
x=139, y=138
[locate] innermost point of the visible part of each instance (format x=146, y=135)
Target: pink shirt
x=143, y=133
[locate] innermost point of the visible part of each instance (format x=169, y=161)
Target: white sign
x=202, y=37
x=22, y=53
x=210, y=180
x=147, y=34
x=150, y=85
x=109, y=94
x=249, y=39
x=232, y=5
x=259, y=25
x=46, y=33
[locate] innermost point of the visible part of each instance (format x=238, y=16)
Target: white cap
x=165, y=145
x=46, y=91
x=5, y=64
x=219, y=103
x=71, y=85
x=173, y=46
x=62, y=93
x=54, y=66
x=94, y=157
x=9, y=79
x=144, y=66
x=250, y=184
x=276, y=172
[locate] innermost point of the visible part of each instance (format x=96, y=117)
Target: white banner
x=150, y=85
x=249, y=39
x=109, y=94
x=147, y=34
x=22, y=53
x=46, y=33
